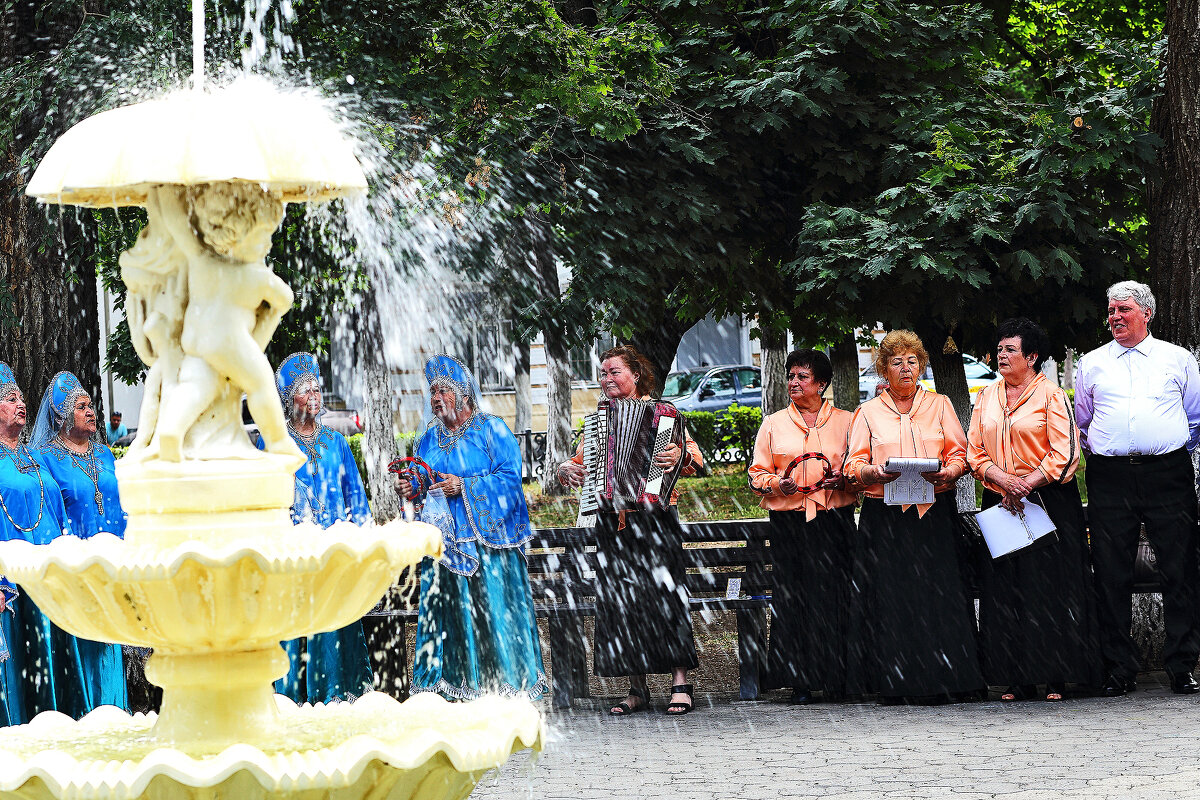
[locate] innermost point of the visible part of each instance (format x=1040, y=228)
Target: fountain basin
x=425, y=747
x=200, y=597
x=216, y=611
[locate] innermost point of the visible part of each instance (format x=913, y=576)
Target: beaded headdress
x=8, y=381
x=444, y=370
x=295, y=370
x=57, y=408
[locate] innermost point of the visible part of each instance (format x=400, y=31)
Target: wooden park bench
x=727, y=570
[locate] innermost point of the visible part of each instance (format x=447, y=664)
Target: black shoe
x=1184, y=683
x=1116, y=687
x=801, y=697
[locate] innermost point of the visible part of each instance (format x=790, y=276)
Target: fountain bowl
x=374, y=748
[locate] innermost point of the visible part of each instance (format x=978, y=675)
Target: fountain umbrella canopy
x=247, y=132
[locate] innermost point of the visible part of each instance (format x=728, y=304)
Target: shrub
x=739, y=428
x=702, y=426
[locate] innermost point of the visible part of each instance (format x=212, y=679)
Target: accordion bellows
x=620, y=442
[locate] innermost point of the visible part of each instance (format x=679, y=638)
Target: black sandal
x=678, y=709
x=623, y=709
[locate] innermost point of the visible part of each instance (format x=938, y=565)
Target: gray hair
x=1132, y=290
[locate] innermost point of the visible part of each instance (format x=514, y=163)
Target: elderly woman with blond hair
x=912, y=632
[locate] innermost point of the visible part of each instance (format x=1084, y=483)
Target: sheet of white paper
x=1006, y=532
x=910, y=487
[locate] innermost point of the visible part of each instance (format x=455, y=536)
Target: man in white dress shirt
x=1137, y=403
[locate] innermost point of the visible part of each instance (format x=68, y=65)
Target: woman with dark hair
x=912, y=631
x=643, y=624
x=812, y=532
x=1037, y=612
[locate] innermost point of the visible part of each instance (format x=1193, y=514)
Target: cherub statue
x=153, y=271
x=234, y=303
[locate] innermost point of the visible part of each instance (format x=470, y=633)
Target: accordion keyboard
x=593, y=444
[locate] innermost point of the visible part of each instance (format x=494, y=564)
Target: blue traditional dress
x=328, y=489
x=88, y=482
x=36, y=677
x=476, y=630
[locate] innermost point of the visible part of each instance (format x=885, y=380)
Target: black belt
x=1138, y=458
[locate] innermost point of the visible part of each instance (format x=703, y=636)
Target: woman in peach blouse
x=812, y=532
x=1037, y=610
x=912, y=632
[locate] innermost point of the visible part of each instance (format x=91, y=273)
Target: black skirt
x=1037, y=616
x=643, y=624
x=810, y=571
x=912, y=623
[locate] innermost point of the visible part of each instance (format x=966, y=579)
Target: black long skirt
x=643, y=624
x=1037, y=615
x=912, y=622
x=810, y=570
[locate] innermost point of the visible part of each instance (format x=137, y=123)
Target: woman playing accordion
x=642, y=620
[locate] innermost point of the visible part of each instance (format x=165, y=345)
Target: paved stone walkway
x=1139, y=746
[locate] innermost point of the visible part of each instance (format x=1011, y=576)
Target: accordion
x=620, y=442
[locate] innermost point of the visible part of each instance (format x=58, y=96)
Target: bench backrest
x=562, y=561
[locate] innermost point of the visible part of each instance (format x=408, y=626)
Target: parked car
x=714, y=388
x=979, y=375
x=337, y=417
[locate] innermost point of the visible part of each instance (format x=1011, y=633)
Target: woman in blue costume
x=65, y=444
x=476, y=630
x=328, y=489
x=36, y=677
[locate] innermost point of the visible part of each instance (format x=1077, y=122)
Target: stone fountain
x=212, y=573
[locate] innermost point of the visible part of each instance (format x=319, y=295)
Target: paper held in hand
x=910, y=487
x=1006, y=532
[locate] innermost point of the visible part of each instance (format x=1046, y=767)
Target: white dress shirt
x=1140, y=400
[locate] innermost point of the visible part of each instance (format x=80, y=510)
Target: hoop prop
x=798, y=460
x=413, y=473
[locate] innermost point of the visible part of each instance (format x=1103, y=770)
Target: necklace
x=308, y=441
x=23, y=467
x=447, y=438
x=86, y=461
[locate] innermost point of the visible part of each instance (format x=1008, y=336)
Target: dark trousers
x=1159, y=492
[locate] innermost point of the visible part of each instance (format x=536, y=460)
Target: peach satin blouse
x=878, y=431
x=1037, y=434
x=782, y=437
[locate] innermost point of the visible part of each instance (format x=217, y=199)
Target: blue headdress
x=295, y=370
x=57, y=409
x=8, y=381
x=448, y=371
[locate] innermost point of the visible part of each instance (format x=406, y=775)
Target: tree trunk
x=1068, y=371
x=558, y=355
x=844, y=356
x=379, y=438
x=52, y=321
x=773, y=342
x=657, y=337
x=523, y=393
x=1174, y=193
x=950, y=379
x=48, y=303
x=558, y=418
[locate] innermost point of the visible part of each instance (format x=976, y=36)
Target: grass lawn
x=722, y=494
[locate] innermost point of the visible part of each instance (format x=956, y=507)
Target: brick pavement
x=1139, y=746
